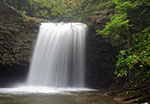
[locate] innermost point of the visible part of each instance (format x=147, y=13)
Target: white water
x=42, y=90
x=58, y=64
x=59, y=56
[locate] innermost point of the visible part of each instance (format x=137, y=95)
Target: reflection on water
x=88, y=97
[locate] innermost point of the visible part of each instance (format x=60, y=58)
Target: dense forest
x=128, y=29
x=58, y=10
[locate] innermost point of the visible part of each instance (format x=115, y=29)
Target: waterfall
x=59, y=56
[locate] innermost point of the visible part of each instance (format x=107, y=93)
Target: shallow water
x=8, y=96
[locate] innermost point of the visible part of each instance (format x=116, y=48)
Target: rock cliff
x=100, y=54
x=17, y=37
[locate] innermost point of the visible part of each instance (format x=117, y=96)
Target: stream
x=69, y=96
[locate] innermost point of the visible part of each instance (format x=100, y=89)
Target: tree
x=128, y=22
x=58, y=10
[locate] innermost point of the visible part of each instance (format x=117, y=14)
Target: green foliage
x=135, y=33
x=58, y=10
x=20, y=5
x=137, y=57
x=118, y=23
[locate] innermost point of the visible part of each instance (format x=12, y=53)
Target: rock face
x=99, y=19
x=17, y=36
x=101, y=55
x=100, y=62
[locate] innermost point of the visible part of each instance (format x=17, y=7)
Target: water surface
x=61, y=96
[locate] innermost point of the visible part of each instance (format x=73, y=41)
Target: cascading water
x=58, y=62
x=59, y=56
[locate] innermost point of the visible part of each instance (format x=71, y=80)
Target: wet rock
x=100, y=60
x=99, y=19
x=17, y=36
